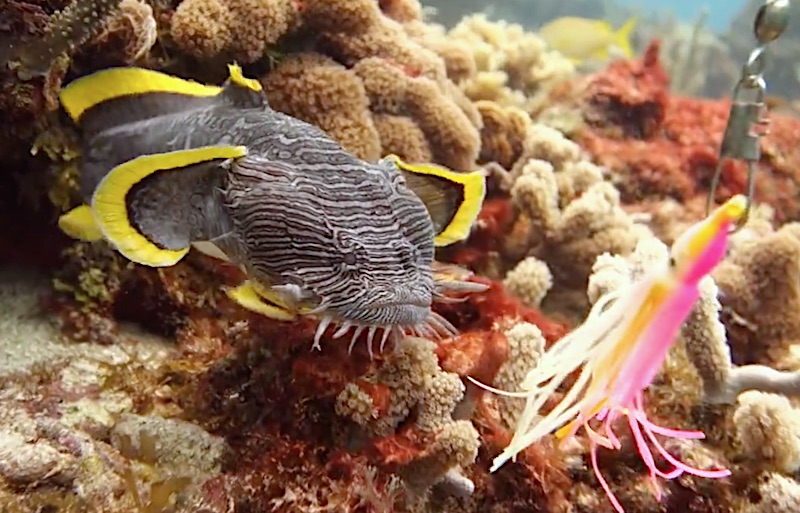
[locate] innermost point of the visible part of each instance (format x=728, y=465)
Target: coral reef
x=760, y=286
x=503, y=63
x=127, y=388
x=562, y=213
x=68, y=437
x=243, y=29
x=357, y=52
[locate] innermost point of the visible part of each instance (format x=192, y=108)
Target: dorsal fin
x=241, y=91
x=119, y=96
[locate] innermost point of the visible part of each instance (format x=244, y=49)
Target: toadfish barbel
x=168, y=164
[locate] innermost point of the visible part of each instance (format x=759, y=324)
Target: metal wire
x=747, y=120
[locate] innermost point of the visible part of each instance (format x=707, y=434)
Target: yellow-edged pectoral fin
x=269, y=296
x=86, y=92
x=247, y=296
x=453, y=199
x=79, y=223
x=110, y=205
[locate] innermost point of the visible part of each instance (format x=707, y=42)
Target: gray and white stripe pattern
x=347, y=233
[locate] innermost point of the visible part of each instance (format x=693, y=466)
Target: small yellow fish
x=583, y=39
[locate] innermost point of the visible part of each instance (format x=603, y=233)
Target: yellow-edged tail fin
x=453, y=199
x=622, y=37
x=79, y=223
x=111, y=207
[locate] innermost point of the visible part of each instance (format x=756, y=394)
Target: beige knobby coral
x=394, y=65
x=503, y=133
x=525, y=346
x=509, y=66
x=419, y=114
x=773, y=493
x=530, y=281
x=761, y=285
x=450, y=127
x=705, y=339
x=419, y=387
x=768, y=430
x=417, y=383
x=321, y=91
x=611, y=272
x=574, y=215
x=244, y=29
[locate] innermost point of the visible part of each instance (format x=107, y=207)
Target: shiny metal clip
x=747, y=120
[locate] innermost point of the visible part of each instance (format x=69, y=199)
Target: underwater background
x=368, y=256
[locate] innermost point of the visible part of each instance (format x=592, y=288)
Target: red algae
x=492, y=227
x=663, y=145
x=478, y=354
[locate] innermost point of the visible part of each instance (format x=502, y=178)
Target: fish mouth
x=433, y=326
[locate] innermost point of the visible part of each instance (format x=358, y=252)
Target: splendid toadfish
x=617, y=352
x=169, y=163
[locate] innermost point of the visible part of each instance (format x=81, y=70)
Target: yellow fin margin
x=249, y=296
x=474, y=190
x=79, y=223
x=86, y=92
x=111, y=210
x=238, y=78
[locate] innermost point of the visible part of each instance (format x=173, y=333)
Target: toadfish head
x=354, y=247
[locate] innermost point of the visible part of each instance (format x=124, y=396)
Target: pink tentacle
x=611, y=497
x=669, y=432
x=598, y=439
x=711, y=474
x=647, y=457
x=641, y=416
